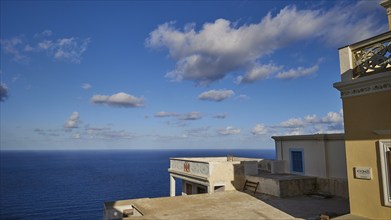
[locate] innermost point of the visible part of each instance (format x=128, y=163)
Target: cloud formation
x=73, y=121
x=14, y=47
x=86, y=86
x=332, y=122
x=190, y=116
x=221, y=47
x=220, y=116
x=259, y=129
x=3, y=92
x=298, y=72
x=164, y=114
x=229, y=130
x=68, y=49
x=120, y=99
x=106, y=132
x=216, y=95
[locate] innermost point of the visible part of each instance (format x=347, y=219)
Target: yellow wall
x=363, y=115
x=366, y=113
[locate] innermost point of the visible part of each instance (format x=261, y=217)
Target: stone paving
x=235, y=205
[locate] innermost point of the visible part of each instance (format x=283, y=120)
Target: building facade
x=365, y=88
x=210, y=174
x=318, y=155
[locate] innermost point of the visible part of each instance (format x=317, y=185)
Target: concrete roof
x=338, y=136
x=230, y=205
x=214, y=159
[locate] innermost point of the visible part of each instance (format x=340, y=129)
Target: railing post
x=345, y=64
x=387, y=5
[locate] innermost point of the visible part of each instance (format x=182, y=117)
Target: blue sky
x=172, y=74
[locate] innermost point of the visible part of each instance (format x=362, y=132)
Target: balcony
x=365, y=66
x=366, y=57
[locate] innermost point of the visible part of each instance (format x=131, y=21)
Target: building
x=318, y=155
x=210, y=174
x=365, y=88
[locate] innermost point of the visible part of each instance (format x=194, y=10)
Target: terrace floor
x=235, y=205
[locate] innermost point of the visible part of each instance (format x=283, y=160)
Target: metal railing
x=372, y=56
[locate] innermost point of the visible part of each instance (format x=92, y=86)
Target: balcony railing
x=372, y=56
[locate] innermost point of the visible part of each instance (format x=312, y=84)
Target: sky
x=173, y=74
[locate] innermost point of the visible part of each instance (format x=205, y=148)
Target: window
x=201, y=189
x=297, y=165
x=385, y=160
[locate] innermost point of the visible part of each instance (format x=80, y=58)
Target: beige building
x=366, y=96
x=210, y=174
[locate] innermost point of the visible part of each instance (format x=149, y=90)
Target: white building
x=319, y=155
x=210, y=174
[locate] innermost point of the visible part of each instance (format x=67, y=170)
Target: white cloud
x=45, y=45
x=86, y=86
x=43, y=34
x=242, y=97
x=107, y=133
x=190, y=116
x=331, y=123
x=165, y=114
x=3, y=92
x=259, y=129
x=67, y=49
x=220, y=116
x=221, y=47
x=333, y=117
x=311, y=119
x=120, y=99
x=229, y=131
x=216, y=95
x=14, y=47
x=258, y=72
x=73, y=121
x=292, y=123
x=298, y=72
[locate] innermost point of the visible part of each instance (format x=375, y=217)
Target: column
x=211, y=188
x=387, y=5
x=172, y=186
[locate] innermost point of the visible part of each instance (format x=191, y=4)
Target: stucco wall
x=224, y=174
x=323, y=157
x=364, y=115
x=336, y=159
x=314, y=156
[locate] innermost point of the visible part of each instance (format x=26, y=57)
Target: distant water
x=75, y=184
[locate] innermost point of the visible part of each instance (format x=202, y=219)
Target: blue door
x=297, y=161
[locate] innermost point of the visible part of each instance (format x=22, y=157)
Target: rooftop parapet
x=366, y=57
x=365, y=66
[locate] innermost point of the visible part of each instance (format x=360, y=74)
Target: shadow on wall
x=306, y=207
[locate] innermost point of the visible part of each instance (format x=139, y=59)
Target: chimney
x=387, y=5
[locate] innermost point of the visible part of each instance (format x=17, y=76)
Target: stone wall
x=336, y=187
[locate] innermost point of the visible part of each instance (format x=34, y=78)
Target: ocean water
x=75, y=184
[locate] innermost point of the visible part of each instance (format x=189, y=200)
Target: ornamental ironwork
x=372, y=59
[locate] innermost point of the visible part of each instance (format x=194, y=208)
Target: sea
x=75, y=184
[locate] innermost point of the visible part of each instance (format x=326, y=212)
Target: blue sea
x=75, y=184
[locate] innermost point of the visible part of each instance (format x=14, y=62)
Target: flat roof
x=338, y=136
x=233, y=205
x=214, y=159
